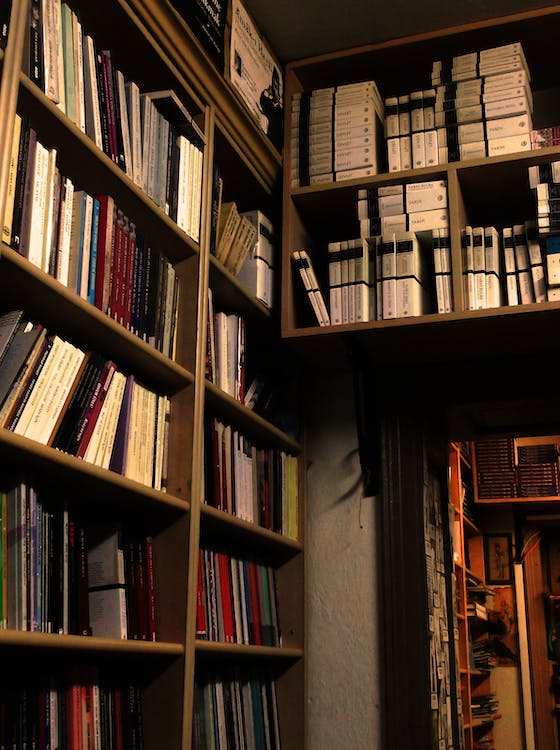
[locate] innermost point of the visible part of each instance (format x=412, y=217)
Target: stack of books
x=479, y=104
x=502, y=267
x=483, y=103
x=410, y=130
x=485, y=709
x=235, y=237
x=544, y=180
x=257, y=271
x=409, y=230
x=537, y=470
x=495, y=468
x=337, y=134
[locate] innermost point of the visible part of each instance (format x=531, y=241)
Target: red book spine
x=118, y=728
x=123, y=279
x=131, y=265
x=150, y=586
x=201, y=631
x=74, y=713
x=94, y=406
x=254, y=602
x=226, y=598
x=141, y=592
x=116, y=267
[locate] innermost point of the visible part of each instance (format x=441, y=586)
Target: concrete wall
x=342, y=649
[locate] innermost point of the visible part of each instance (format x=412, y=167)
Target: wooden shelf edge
x=178, y=374
x=438, y=171
x=27, y=639
x=517, y=500
x=425, y=36
x=238, y=649
x=66, y=461
x=441, y=319
x=221, y=273
x=250, y=416
x=258, y=531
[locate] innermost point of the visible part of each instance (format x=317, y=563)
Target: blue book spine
x=93, y=250
x=83, y=205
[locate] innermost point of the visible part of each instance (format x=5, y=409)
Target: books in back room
x=256, y=74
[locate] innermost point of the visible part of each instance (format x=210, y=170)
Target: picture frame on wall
x=498, y=558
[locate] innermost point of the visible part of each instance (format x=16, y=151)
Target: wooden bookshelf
x=474, y=681
x=317, y=214
x=153, y=47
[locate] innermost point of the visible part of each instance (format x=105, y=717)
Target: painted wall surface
x=342, y=623
x=508, y=731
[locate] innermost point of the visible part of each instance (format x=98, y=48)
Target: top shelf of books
x=421, y=188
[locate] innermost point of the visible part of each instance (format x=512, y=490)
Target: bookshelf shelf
x=231, y=526
x=57, y=305
x=102, y=174
x=68, y=643
x=246, y=652
x=159, y=53
x=229, y=408
x=33, y=454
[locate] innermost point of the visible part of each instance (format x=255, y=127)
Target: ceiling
x=301, y=28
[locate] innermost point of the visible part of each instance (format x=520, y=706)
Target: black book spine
x=23, y=156
x=5, y=13
x=36, y=68
x=101, y=88
x=118, y=125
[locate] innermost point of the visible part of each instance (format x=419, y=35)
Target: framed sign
x=498, y=558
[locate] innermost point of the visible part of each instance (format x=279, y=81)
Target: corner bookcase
x=483, y=191
x=152, y=46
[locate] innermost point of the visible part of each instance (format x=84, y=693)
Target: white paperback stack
x=337, y=134
x=410, y=130
x=257, y=272
x=544, y=180
x=405, y=225
x=483, y=103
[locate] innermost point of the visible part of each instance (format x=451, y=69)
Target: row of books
x=249, y=257
x=120, y=574
x=150, y=136
x=394, y=275
x=336, y=134
x=235, y=237
x=237, y=712
x=236, y=600
x=87, y=243
x=59, y=574
x=479, y=104
x=79, y=402
x=82, y=708
x=225, y=359
x=502, y=266
x=445, y=703
x=506, y=470
x=259, y=485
